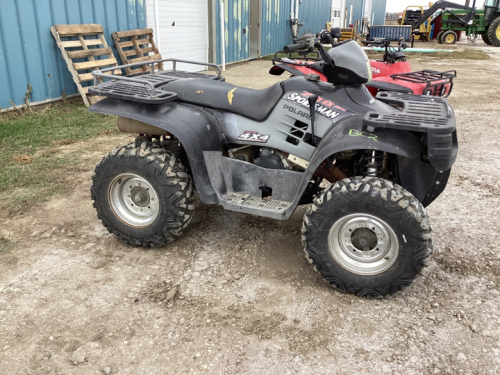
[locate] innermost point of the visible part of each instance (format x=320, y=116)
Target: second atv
x=365, y=168
x=391, y=73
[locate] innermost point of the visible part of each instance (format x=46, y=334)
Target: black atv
x=366, y=166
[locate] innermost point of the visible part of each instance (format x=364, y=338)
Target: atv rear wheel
x=142, y=194
x=439, y=37
x=494, y=32
x=449, y=37
x=367, y=236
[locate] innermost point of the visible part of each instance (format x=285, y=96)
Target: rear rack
x=146, y=87
x=437, y=83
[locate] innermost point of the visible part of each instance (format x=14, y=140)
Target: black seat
x=254, y=104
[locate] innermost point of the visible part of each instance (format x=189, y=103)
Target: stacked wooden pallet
x=135, y=46
x=84, y=49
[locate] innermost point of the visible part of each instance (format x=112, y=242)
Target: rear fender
x=196, y=129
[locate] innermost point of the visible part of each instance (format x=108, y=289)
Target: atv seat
x=254, y=104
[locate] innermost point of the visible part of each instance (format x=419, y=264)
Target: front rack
x=146, y=87
x=437, y=83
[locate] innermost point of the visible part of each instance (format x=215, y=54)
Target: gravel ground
x=234, y=293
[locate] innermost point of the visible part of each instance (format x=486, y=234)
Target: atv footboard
x=426, y=114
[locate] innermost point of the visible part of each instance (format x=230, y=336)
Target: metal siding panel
x=275, y=26
x=379, y=7
x=86, y=11
x=49, y=56
x=30, y=55
x=14, y=53
x=5, y=83
x=131, y=14
x=236, y=19
x=32, y=52
x=59, y=17
x=315, y=14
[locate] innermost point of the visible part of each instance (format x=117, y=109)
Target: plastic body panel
x=195, y=128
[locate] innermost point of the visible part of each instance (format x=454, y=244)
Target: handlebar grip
x=294, y=47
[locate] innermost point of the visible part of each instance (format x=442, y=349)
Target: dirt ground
x=75, y=300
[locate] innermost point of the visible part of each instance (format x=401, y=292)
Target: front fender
x=349, y=135
x=197, y=130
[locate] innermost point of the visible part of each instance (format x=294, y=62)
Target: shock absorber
x=373, y=163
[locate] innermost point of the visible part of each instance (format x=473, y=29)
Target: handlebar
x=323, y=53
x=295, y=47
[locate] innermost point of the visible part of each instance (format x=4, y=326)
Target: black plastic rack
x=148, y=87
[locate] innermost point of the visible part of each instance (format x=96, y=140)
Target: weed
x=32, y=167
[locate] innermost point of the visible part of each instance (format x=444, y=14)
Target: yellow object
x=230, y=96
x=200, y=92
x=498, y=32
x=425, y=29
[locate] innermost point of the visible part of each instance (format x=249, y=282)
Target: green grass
x=32, y=168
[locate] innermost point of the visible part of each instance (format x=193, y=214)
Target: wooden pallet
x=86, y=45
x=136, y=46
x=347, y=34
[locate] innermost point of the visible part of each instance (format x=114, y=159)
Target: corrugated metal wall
x=379, y=7
x=236, y=21
x=29, y=54
x=275, y=26
x=315, y=14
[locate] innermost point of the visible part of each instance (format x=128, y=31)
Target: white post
x=157, y=25
x=292, y=14
x=223, y=36
x=297, y=9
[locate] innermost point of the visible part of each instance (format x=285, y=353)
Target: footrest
x=254, y=205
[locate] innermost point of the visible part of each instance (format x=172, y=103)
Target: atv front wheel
x=494, y=32
x=367, y=236
x=142, y=194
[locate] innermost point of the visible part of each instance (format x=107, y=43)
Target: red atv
x=391, y=73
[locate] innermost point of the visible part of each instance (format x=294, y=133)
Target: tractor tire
x=438, y=38
x=367, y=236
x=142, y=194
x=449, y=37
x=494, y=32
x=485, y=38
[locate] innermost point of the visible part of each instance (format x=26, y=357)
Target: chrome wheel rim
x=363, y=244
x=133, y=200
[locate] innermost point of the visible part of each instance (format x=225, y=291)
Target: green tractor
x=475, y=22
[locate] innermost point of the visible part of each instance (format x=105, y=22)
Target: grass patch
x=31, y=163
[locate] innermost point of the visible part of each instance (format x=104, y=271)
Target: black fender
x=196, y=129
x=350, y=134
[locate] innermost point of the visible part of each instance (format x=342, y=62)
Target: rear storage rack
x=146, y=87
x=426, y=114
x=437, y=83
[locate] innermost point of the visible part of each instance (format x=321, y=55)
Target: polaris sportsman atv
x=366, y=166
x=391, y=73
